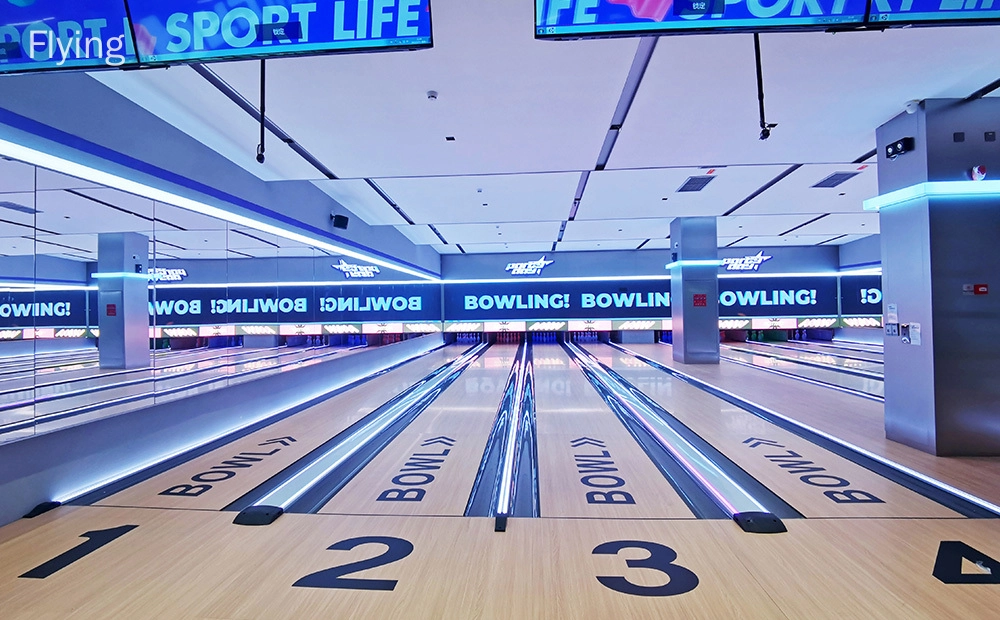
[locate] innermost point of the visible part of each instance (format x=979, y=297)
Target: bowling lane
x=842, y=346
x=831, y=377
x=582, y=444
x=859, y=421
x=123, y=391
x=192, y=564
x=214, y=480
x=871, y=362
x=815, y=481
x=430, y=468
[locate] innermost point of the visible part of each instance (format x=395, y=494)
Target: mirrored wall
x=110, y=302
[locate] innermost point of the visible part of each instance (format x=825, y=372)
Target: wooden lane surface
x=430, y=468
x=868, y=362
x=192, y=564
x=815, y=481
x=869, y=354
x=584, y=451
x=217, y=478
x=840, y=345
x=875, y=387
x=856, y=420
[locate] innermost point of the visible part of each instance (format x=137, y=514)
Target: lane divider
x=337, y=458
x=507, y=481
x=951, y=497
x=733, y=499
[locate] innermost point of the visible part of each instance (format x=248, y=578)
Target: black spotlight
x=340, y=221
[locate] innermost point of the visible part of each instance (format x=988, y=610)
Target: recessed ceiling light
x=449, y=138
x=486, y=204
x=664, y=198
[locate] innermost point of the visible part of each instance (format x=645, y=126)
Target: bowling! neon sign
x=530, y=268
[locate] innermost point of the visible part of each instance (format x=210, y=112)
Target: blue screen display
x=583, y=18
x=192, y=30
x=63, y=34
x=861, y=295
x=891, y=12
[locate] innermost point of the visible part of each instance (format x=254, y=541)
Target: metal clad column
x=122, y=300
x=694, y=290
x=940, y=386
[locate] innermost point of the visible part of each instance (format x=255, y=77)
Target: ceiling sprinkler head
x=432, y=95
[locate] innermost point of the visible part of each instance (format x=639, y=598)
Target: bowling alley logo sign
x=530, y=268
x=746, y=263
x=356, y=271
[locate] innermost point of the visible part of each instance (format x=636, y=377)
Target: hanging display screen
x=194, y=30
x=943, y=12
x=597, y=18
x=38, y=35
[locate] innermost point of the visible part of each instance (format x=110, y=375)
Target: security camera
x=260, y=153
x=912, y=106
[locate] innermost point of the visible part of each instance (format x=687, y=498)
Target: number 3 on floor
x=661, y=558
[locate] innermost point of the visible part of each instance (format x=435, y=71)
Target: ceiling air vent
x=695, y=184
x=836, y=179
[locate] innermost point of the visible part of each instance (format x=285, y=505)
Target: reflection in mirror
x=190, y=252
x=111, y=302
x=91, y=246
x=17, y=290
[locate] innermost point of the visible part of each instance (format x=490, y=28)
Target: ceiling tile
x=465, y=234
x=641, y=193
x=360, y=199
x=509, y=198
x=796, y=194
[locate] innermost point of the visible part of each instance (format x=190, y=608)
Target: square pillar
x=123, y=300
x=694, y=290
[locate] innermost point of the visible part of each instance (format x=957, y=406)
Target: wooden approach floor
x=140, y=554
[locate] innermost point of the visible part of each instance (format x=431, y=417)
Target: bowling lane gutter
x=783, y=358
x=507, y=481
x=69, y=413
x=309, y=483
x=961, y=502
x=791, y=375
x=730, y=491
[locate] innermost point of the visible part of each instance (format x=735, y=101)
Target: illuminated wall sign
x=530, y=268
x=296, y=304
x=590, y=18
x=194, y=30
x=896, y=12
x=745, y=263
x=63, y=34
x=43, y=309
x=861, y=295
x=161, y=274
x=356, y=271
x=557, y=300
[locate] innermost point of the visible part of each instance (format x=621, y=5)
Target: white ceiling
x=529, y=120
